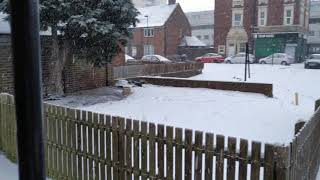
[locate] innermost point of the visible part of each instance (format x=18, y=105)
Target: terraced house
x=269, y=26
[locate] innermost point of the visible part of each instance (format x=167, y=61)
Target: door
x=290, y=50
x=231, y=50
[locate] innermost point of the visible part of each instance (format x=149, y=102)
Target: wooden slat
x=79, y=145
x=268, y=162
x=188, y=155
x=50, y=149
x=255, y=161
x=85, y=147
x=243, y=164
x=96, y=146
x=90, y=146
x=54, y=140
x=160, y=152
x=61, y=116
x=198, y=156
x=169, y=154
x=108, y=146
x=144, y=153
x=74, y=144
x=220, y=158
x=152, y=151
x=121, y=146
x=209, y=156
x=67, y=141
x=231, y=163
x=128, y=148
x=178, y=154
x=115, y=147
x=102, y=122
x=136, y=149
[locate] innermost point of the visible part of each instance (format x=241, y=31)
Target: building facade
x=270, y=26
x=146, y=3
x=160, y=31
x=202, y=24
x=314, y=28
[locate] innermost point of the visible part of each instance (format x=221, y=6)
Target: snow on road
x=8, y=170
x=243, y=115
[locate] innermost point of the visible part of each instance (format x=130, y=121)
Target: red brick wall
x=80, y=76
x=176, y=28
x=222, y=21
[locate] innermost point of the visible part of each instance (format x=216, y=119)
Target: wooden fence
x=86, y=145
x=132, y=71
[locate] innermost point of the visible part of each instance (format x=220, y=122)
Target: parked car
x=313, y=62
x=155, y=59
x=210, y=58
x=178, y=58
x=277, y=58
x=239, y=58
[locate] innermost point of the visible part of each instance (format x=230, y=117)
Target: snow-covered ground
x=246, y=115
x=8, y=170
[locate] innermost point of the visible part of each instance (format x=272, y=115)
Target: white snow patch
x=191, y=41
x=8, y=170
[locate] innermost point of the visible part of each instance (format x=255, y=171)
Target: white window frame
x=148, y=32
x=148, y=49
x=221, y=49
x=285, y=17
x=134, y=51
x=265, y=18
x=237, y=3
x=235, y=23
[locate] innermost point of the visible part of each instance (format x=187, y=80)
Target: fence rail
x=87, y=145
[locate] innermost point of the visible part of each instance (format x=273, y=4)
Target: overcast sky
x=196, y=5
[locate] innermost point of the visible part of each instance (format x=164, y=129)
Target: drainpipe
x=27, y=81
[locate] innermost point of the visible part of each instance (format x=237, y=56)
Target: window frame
x=148, y=49
x=148, y=32
x=234, y=13
x=265, y=18
x=286, y=17
x=221, y=49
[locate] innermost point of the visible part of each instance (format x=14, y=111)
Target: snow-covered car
x=155, y=59
x=313, y=62
x=239, y=58
x=277, y=58
x=210, y=58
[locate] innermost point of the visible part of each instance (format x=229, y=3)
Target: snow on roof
x=191, y=41
x=154, y=16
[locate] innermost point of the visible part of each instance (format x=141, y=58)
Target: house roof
x=157, y=15
x=191, y=41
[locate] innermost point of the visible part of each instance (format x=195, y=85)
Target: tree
x=93, y=29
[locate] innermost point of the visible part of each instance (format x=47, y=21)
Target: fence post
x=298, y=126
x=317, y=105
x=282, y=163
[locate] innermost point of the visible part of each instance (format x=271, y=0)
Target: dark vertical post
x=245, y=64
x=27, y=71
x=248, y=58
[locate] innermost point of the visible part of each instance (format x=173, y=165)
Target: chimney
x=172, y=2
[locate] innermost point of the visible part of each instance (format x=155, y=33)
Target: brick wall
x=79, y=75
x=222, y=21
x=266, y=89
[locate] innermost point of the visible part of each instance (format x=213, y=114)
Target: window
x=237, y=3
x=288, y=15
x=262, y=17
x=221, y=49
x=242, y=47
x=199, y=37
x=134, y=51
x=126, y=50
x=237, y=18
x=148, y=49
x=311, y=33
x=206, y=37
x=148, y=32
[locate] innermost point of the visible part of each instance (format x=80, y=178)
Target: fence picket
x=96, y=146
x=255, y=161
x=232, y=143
x=121, y=147
x=115, y=148
x=85, y=149
x=160, y=152
x=152, y=151
x=169, y=152
x=102, y=123
x=243, y=162
x=108, y=146
x=209, y=156
x=198, y=156
x=188, y=154
x=144, y=153
x=129, y=149
x=220, y=158
x=80, y=144
x=90, y=146
x=268, y=162
x=136, y=149
x=178, y=154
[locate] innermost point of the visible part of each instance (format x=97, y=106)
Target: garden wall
x=261, y=88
